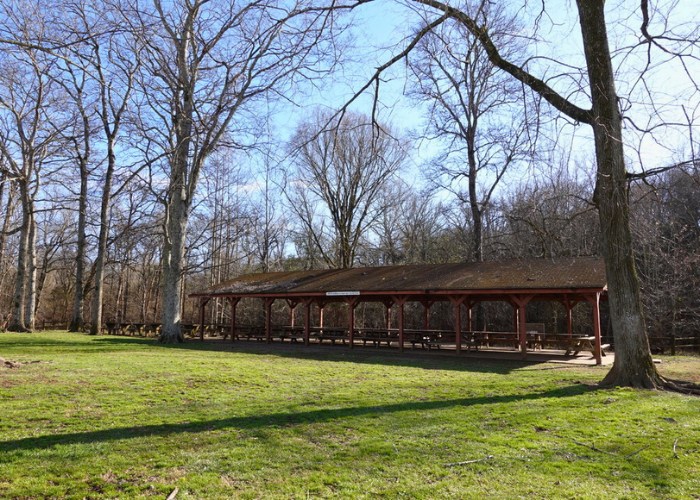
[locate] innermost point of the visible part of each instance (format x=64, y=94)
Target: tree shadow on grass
x=274, y=419
x=60, y=343
x=419, y=358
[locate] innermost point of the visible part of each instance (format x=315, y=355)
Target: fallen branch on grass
x=467, y=462
x=635, y=452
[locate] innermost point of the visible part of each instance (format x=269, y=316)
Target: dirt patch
x=6, y=363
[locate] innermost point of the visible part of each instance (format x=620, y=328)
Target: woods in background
x=139, y=161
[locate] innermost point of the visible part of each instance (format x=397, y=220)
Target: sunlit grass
x=123, y=417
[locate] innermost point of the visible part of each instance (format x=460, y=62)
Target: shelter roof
x=517, y=275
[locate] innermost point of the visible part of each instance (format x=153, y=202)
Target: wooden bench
x=427, y=338
x=250, y=332
x=501, y=339
x=332, y=334
x=375, y=336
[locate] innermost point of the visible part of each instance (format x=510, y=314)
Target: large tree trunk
x=477, y=241
x=76, y=322
x=31, y=290
x=633, y=363
x=9, y=212
x=173, y=255
x=101, y=260
x=18, y=320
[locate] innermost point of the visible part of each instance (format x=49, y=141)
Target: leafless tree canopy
x=150, y=147
x=343, y=169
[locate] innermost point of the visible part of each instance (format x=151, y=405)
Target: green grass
x=124, y=417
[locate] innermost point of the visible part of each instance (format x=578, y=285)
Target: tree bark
x=30, y=299
x=18, y=320
x=9, y=212
x=633, y=363
x=173, y=254
x=477, y=239
x=100, y=262
x=77, y=319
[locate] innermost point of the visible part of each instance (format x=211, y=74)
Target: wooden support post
x=457, y=303
x=597, y=350
x=388, y=304
x=521, y=302
x=427, y=304
x=234, y=304
x=202, y=304
x=400, y=301
x=470, y=325
x=307, y=321
x=352, y=303
x=268, y=319
x=320, y=314
x=569, y=317
x=292, y=307
x=522, y=333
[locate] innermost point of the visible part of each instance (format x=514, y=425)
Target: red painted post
x=388, y=306
x=457, y=302
x=202, y=304
x=400, y=301
x=292, y=307
x=569, y=318
x=351, y=320
x=307, y=321
x=268, y=319
x=470, y=326
x=401, y=324
x=234, y=303
x=426, y=314
x=521, y=303
x=598, y=353
x=522, y=333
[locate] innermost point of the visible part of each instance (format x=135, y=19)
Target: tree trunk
x=31, y=290
x=101, y=260
x=173, y=253
x=77, y=320
x=477, y=241
x=17, y=321
x=9, y=212
x=125, y=301
x=633, y=363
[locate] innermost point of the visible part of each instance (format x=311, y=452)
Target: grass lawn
x=125, y=417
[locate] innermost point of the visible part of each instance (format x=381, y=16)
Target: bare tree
x=205, y=63
x=26, y=141
x=113, y=60
x=633, y=363
x=551, y=215
x=342, y=172
x=475, y=111
x=666, y=225
x=76, y=127
x=410, y=230
x=8, y=199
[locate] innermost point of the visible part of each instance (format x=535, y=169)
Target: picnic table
x=332, y=334
x=579, y=344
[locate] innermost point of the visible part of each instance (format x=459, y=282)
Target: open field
x=126, y=417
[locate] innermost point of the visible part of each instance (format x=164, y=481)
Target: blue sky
x=383, y=26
